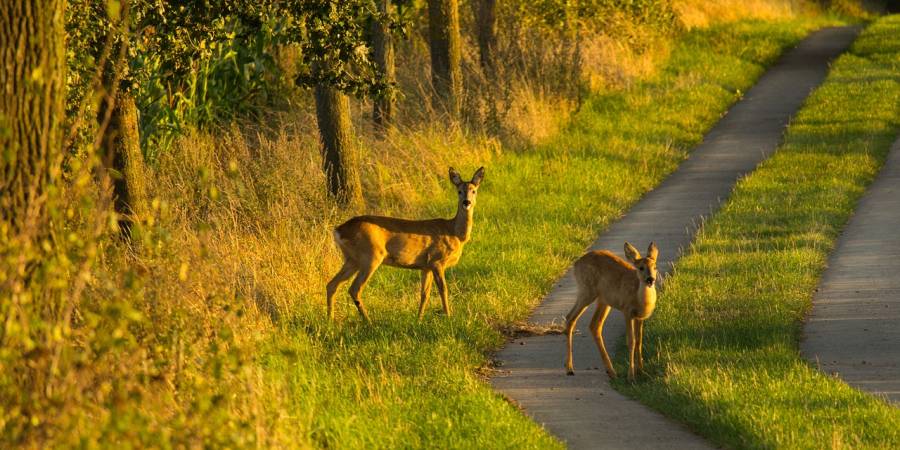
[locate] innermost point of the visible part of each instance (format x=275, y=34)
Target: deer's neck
x=462, y=223
x=646, y=297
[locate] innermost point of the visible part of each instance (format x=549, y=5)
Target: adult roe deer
x=605, y=278
x=427, y=245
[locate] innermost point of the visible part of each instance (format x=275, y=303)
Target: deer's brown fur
x=611, y=282
x=430, y=246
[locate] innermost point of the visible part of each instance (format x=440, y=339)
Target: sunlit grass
x=724, y=340
x=402, y=383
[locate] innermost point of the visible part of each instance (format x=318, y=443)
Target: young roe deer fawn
x=605, y=278
x=431, y=246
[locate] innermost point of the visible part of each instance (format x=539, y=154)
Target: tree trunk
x=446, y=74
x=120, y=145
x=383, y=52
x=32, y=109
x=123, y=159
x=338, y=152
x=486, y=30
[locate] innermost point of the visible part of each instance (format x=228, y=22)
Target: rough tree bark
x=338, y=152
x=446, y=74
x=486, y=31
x=123, y=159
x=383, y=53
x=120, y=145
x=32, y=108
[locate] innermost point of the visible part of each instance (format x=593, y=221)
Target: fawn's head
x=646, y=266
x=467, y=190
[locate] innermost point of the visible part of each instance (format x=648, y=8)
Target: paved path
x=584, y=410
x=854, y=328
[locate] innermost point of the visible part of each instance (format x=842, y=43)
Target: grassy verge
x=724, y=340
x=400, y=383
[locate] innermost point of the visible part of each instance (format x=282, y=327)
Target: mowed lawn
x=399, y=383
x=723, y=343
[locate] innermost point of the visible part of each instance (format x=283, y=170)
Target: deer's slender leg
x=347, y=271
x=365, y=272
x=441, y=283
x=639, y=336
x=597, y=330
x=629, y=332
x=572, y=317
x=426, y=291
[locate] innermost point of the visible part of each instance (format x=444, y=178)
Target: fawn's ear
x=454, y=177
x=631, y=252
x=479, y=175
x=652, y=251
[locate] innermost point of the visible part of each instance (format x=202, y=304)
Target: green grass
x=400, y=383
x=724, y=340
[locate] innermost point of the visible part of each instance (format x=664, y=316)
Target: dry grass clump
x=534, y=116
x=608, y=63
x=702, y=13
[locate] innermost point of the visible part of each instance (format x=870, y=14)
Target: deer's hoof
x=612, y=374
x=570, y=372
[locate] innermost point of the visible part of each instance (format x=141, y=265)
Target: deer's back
x=603, y=274
x=402, y=242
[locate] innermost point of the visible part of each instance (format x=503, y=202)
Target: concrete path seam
x=853, y=330
x=584, y=410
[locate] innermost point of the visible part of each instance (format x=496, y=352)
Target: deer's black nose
x=650, y=281
x=466, y=203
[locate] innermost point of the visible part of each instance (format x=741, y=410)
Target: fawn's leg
x=365, y=272
x=639, y=335
x=441, y=283
x=629, y=333
x=426, y=291
x=347, y=271
x=597, y=330
x=572, y=317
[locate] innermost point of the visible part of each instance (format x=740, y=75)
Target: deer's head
x=646, y=266
x=467, y=190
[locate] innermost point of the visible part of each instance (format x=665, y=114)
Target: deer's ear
x=631, y=252
x=454, y=177
x=479, y=175
x=652, y=251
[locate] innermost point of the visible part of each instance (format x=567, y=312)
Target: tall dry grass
x=702, y=13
